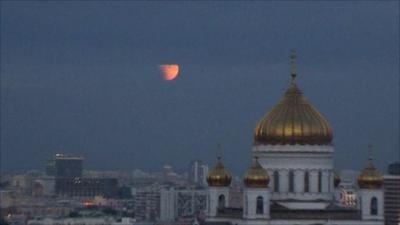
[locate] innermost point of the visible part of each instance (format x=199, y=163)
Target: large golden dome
x=219, y=176
x=256, y=176
x=293, y=121
x=370, y=177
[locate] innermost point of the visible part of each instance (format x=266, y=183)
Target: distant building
x=50, y=167
x=69, y=182
x=64, y=166
x=82, y=220
x=179, y=203
x=43, y=186
x=86, y=187
x=198, y=172
x=147, y=203
x=68, y=166
x=391, y=185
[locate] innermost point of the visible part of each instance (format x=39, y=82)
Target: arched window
x=260, y=205
x=374, y=206
x=291, y=181
x=221, y=201
x=276, y=181
x=319, y=181
x=306, y=182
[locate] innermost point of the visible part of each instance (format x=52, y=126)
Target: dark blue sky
x=82, y=78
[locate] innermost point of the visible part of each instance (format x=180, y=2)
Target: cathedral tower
x=370, y=183
x=294, y=144
x=219, y=180
x=256, y=194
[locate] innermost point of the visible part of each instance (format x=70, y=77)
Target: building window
x=276, y=181
x=306, y=182
x=221, y=201
x=319, y=181
x=260, y=205
x=291, y=181
x=374, y=206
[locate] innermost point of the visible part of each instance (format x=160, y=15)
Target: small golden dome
x=219, y=176
x=256, y=176
x=336, y=180
x=370, y=177
x=293, y=121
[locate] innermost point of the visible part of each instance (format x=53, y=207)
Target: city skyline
x=83, y=79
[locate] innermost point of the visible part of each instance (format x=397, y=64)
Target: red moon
x=169, y=71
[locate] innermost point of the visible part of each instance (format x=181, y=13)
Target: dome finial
x=219, y=176
x=370, y=177
x=219, y=151
x=370, y=152
x=293, y=71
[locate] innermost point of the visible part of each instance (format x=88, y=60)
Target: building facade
x=147, y=203
x=391, y=186
x=198, y=171
x=179, y=203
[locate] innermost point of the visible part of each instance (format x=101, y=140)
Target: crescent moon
x=169, y=71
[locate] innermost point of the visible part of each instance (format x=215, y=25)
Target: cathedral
x=291, y=180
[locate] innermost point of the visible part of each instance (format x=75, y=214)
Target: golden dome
x=256, y=176
x=370, y=177
x=336, y=180
x=293, y=121
x=219, y=176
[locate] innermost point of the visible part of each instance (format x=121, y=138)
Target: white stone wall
x=212, y=200
x=300, y=159
x=250, y=203
x=365, y=203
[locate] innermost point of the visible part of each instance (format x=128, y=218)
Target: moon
x=169, y=71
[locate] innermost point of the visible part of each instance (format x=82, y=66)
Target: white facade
x=256, y=203
x=304, y=172
x=303, y=193
x=372, y=204
x=218, y=197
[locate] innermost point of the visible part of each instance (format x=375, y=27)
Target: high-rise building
x=147, y=203
x=68, y=166
x=198, y=171
x=391, y=185
x=68, y=170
